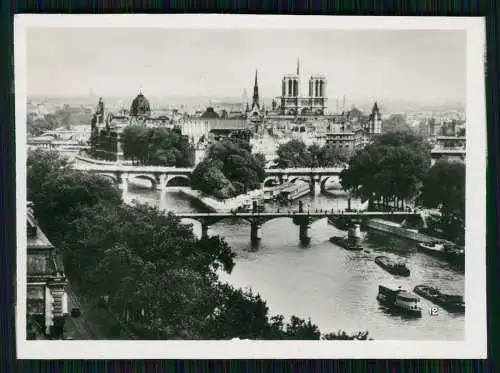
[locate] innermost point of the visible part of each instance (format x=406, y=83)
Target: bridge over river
x=301, y=218
x=161, y=176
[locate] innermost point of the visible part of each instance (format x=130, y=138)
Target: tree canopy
x=156, y=146
x=444, y=188
x=296, y=154
x=229, y=169
x=395, y=123
x=161, y=279
x=393, y=166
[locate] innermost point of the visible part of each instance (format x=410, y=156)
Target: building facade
x=293, y=103
x=47, y=300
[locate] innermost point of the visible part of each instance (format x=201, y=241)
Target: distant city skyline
x=410, y=65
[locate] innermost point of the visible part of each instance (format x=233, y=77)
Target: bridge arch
x=178, y=180
x=332, y=178
x=293, y=179
x=148, y=177
x=270, y=181
x=111, y=177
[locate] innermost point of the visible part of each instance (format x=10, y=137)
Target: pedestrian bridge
x=301, y=218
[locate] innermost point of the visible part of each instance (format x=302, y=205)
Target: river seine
x=336, y=288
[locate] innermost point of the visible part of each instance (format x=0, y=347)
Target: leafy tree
x=298, y=329
x=156, y=146
x=209, y=178
x=229, y=169
x=392, y=167
x=161, y=279
x=444, y=188
x=295, y=154
x=395, y=123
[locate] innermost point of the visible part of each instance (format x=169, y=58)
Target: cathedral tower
x=255, y=99
x=375, y=120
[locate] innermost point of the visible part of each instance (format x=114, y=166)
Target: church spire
x=298, y=66
x=255, y=99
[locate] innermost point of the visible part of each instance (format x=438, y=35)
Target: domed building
x=140, y=106
x=210, y=113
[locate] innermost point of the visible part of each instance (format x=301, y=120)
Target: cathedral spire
x=298, y=66
x=255, y=98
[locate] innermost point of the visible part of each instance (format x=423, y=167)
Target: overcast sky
x=408, y=65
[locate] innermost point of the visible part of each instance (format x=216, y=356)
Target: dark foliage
x=296, y=154
x=160, y=278
x=444, y=188
x=156, y=147
x=392, y=167
x=229, y=169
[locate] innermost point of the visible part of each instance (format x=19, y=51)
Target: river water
x=336, y=288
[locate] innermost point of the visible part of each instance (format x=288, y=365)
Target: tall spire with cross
x=255, y=99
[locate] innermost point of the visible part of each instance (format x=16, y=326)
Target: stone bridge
x=161, y=176
x=301, y=218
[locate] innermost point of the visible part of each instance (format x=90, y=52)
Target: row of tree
x=103, y=145
x=229, y=169
x=395, y=168
x=159, y=276
x=156, y=146
x=296, y=154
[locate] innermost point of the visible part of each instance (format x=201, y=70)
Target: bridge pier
x=204, y=231
x=315, y=186
x=162, y=182
x=124, y=185
x=304, y=233
x=119, y=148
x=162, y=203
x=255, y=232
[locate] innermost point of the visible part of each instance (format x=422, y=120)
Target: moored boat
x=293, y=191
x=346, y=243
x=442, y=249
x=399, y=300
x=393, y=267
x=451, y=303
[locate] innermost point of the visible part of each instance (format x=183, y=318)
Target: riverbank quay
x=231, y=204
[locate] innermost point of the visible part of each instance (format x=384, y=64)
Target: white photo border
x=474, y=344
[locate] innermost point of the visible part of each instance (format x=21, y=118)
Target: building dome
x=210, y=113
x=140, y=106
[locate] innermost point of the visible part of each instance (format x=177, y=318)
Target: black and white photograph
x=250, y=186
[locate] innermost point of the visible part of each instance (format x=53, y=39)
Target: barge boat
x=393, y=267
x=346, y=243
x=451, y=303
x=442, y=250
x=399, y=300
